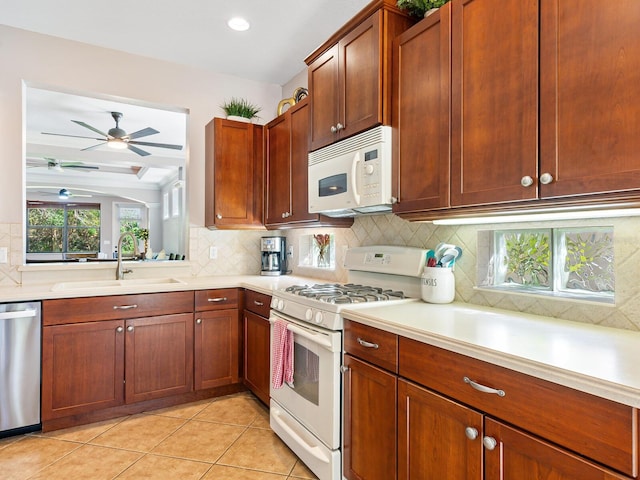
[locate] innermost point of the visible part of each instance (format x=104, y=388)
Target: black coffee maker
x=274, y=255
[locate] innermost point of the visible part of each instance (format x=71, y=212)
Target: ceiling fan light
x=117, y=143
x=238, y=24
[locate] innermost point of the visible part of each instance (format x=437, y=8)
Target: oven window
x=306, y=373
x=333, y=185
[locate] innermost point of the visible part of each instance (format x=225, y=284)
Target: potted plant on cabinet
x=240, y=109
x=420, y=8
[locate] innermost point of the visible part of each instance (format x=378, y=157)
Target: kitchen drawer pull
x=218, y=299
x=124, y=307
x=482, y=388
x=364, y=343
x=256, y=302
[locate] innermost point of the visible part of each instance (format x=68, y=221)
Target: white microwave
x=352, y=176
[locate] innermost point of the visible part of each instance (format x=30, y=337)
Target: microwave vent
x=380, y=134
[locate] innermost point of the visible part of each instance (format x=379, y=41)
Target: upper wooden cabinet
x=542, y=109
x=234, y=172
x=287, y=147
x=350, y=74
x=421, y=115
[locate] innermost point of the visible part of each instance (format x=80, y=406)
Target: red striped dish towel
x=282, y=355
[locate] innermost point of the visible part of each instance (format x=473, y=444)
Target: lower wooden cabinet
x=369, y=411
x=256, y=354
x=159, y=357
x=82, y=368
x=216, y=348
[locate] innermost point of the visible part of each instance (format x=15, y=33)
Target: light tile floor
x=226, y=438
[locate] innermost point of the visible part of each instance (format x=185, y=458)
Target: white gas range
x=306, y=411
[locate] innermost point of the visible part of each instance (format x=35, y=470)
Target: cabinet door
x=234, y=174
x=256, y=355
x=494, y=100
x=421, y=115
x=360, y=79
x=159, y=356
x=82, y=368
x=278, y=148
x=369, y=451
x=437, y=437
x=323, y=95
x=518, y=455
x=216, y=348
x=300, y=164
x=589, y=90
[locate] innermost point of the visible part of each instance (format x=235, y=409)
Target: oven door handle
x=314, y=337
x=313, y=450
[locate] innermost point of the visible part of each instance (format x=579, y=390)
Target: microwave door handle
x=354, y=181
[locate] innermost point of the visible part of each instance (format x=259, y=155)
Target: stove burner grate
x=345, y=293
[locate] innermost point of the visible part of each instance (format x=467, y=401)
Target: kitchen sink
x=92, y=284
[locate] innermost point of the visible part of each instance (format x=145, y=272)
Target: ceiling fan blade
x=74, y=136
x=143, y=133
x=93, y=129
x=93, y=146
x=160, y=145
x=137, y=150
x=80, y=167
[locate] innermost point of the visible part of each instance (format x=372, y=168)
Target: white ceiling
x=194, y=32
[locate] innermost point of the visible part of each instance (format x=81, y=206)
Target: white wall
x=50, y=62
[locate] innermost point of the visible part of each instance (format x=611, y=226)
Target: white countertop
x=598, y=360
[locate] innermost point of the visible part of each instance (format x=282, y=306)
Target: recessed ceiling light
x=239, y=24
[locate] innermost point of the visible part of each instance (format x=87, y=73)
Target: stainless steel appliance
x=305, y=413
x=352, y=176
x=274, y=255
x=19, y=368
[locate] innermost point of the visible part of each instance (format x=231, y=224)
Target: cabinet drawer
x=258, y=303
x=370, y=344
x=592, y=426
x=216, y=299
x=91, y=309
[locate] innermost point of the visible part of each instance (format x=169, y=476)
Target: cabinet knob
x=333, y=129
x=219, y=216
x=199, y=321
x=489, y=443
x=120, y=329
x=526, y=181
x=344, y=368
x=130, y=328
x=471, y=433
x=339, y=127
x=546, y=178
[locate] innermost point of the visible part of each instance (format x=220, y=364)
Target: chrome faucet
x=119, y=271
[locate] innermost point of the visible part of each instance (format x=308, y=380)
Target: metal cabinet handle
x=471, y=433
x=256, y=302
x=339, y=127
x=219, y=216
x=124, y=307
x=364, y=343
x=482, y=388
x=130, y=328
x=489, y=443
x=526, y=181
x=218, y=299
x=199, y=321
x=344, y=368
x=120, y=329
x=333, y=129
x=546, y=178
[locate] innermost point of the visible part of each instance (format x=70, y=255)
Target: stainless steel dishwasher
x=20, y=352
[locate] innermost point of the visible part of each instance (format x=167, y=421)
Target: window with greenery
x=131, y=218
x=567, y=262
x=63, y=228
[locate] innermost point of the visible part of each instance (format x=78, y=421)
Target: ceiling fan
x=118, y=138
x=53, y=164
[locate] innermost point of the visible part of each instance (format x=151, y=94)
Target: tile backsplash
x=238, y=254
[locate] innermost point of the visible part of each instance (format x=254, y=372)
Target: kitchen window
x=63, y=228
x=562, y=262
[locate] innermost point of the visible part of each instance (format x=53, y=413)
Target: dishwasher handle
x=18, y=314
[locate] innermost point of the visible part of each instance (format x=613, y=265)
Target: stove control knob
x=280, y=304
x=308, y=314
x=318, y=318
x=274, y=302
